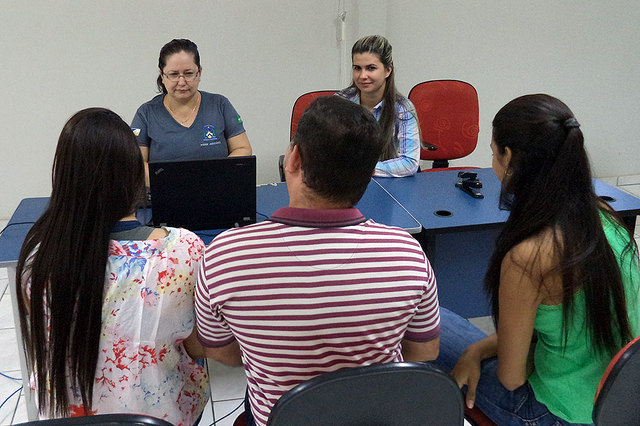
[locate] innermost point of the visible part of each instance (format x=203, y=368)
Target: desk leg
x=29, y=394
x=460, y=261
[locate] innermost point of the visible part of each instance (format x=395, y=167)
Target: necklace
x=174, y=115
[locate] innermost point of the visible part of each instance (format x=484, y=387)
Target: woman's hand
x=468, y=367
x=467, y=372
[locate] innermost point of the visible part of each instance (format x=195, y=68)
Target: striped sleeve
x=425, y=324
x=213, y=330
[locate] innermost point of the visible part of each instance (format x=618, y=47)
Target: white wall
x=59, y=57
x=583, y=52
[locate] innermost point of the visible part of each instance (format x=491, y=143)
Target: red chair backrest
x=301, y=104
x=476, y=417
x=448, y=115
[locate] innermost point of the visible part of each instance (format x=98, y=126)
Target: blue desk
x=376, y=204
x=458, y=235
x=28, y=211
x=459, y=231
x=459, y=245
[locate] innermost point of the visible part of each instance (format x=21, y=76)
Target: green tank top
x=565, y=378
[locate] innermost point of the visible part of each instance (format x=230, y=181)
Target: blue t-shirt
x=216, y=122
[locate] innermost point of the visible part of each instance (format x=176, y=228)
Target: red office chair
x=448, y=115
x=617, y=400
x=298, y=108
x=240, y=420
x=476, y=417
x=301, y=104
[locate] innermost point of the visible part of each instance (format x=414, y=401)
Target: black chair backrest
x=381, y=394
x=618, y=398
x=102, y=420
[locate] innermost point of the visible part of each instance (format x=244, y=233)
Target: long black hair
x=549, y=186
x=98, y=178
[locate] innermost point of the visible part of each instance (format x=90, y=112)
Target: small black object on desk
x=470, y=184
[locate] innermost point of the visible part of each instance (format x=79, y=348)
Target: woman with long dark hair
x=107, y=304
x=374, y=88
x=563, y=279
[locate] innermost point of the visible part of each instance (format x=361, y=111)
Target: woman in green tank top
x=563, y=279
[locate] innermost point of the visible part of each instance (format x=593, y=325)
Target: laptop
x=203, y=194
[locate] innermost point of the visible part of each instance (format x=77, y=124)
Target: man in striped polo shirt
x=317, y=287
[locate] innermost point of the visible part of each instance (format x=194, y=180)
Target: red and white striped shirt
x=312, y=291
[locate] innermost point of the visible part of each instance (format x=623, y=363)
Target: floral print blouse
x=147, y=312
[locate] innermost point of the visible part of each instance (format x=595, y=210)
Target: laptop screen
x=204, y=194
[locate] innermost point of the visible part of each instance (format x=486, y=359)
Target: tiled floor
x=227, y=383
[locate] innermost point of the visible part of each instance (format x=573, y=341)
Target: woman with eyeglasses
x=183, y=123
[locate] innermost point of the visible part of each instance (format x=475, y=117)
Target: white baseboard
x=629, y=180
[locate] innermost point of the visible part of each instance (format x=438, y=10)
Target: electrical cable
x=227, y=415
x=9, y=377
x=15, y=392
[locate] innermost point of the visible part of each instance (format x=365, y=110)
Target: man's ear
x=292, y=160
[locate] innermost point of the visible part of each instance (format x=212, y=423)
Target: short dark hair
x=339, y=144
x=176, y=45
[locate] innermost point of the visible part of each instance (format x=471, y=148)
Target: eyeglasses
x=188, y=76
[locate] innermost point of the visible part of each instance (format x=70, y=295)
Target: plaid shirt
x=406, y=136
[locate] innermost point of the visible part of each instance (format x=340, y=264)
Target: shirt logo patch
x=135, y=131
x=209, y=136
x=209, y=133
x=239, y=119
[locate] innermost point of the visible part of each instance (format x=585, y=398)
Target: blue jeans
x=248, y=415
x=504, y=407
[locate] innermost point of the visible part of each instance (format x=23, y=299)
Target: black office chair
x=381, y=394
x=281, y=168
x=101, y=420
x=618, y=395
